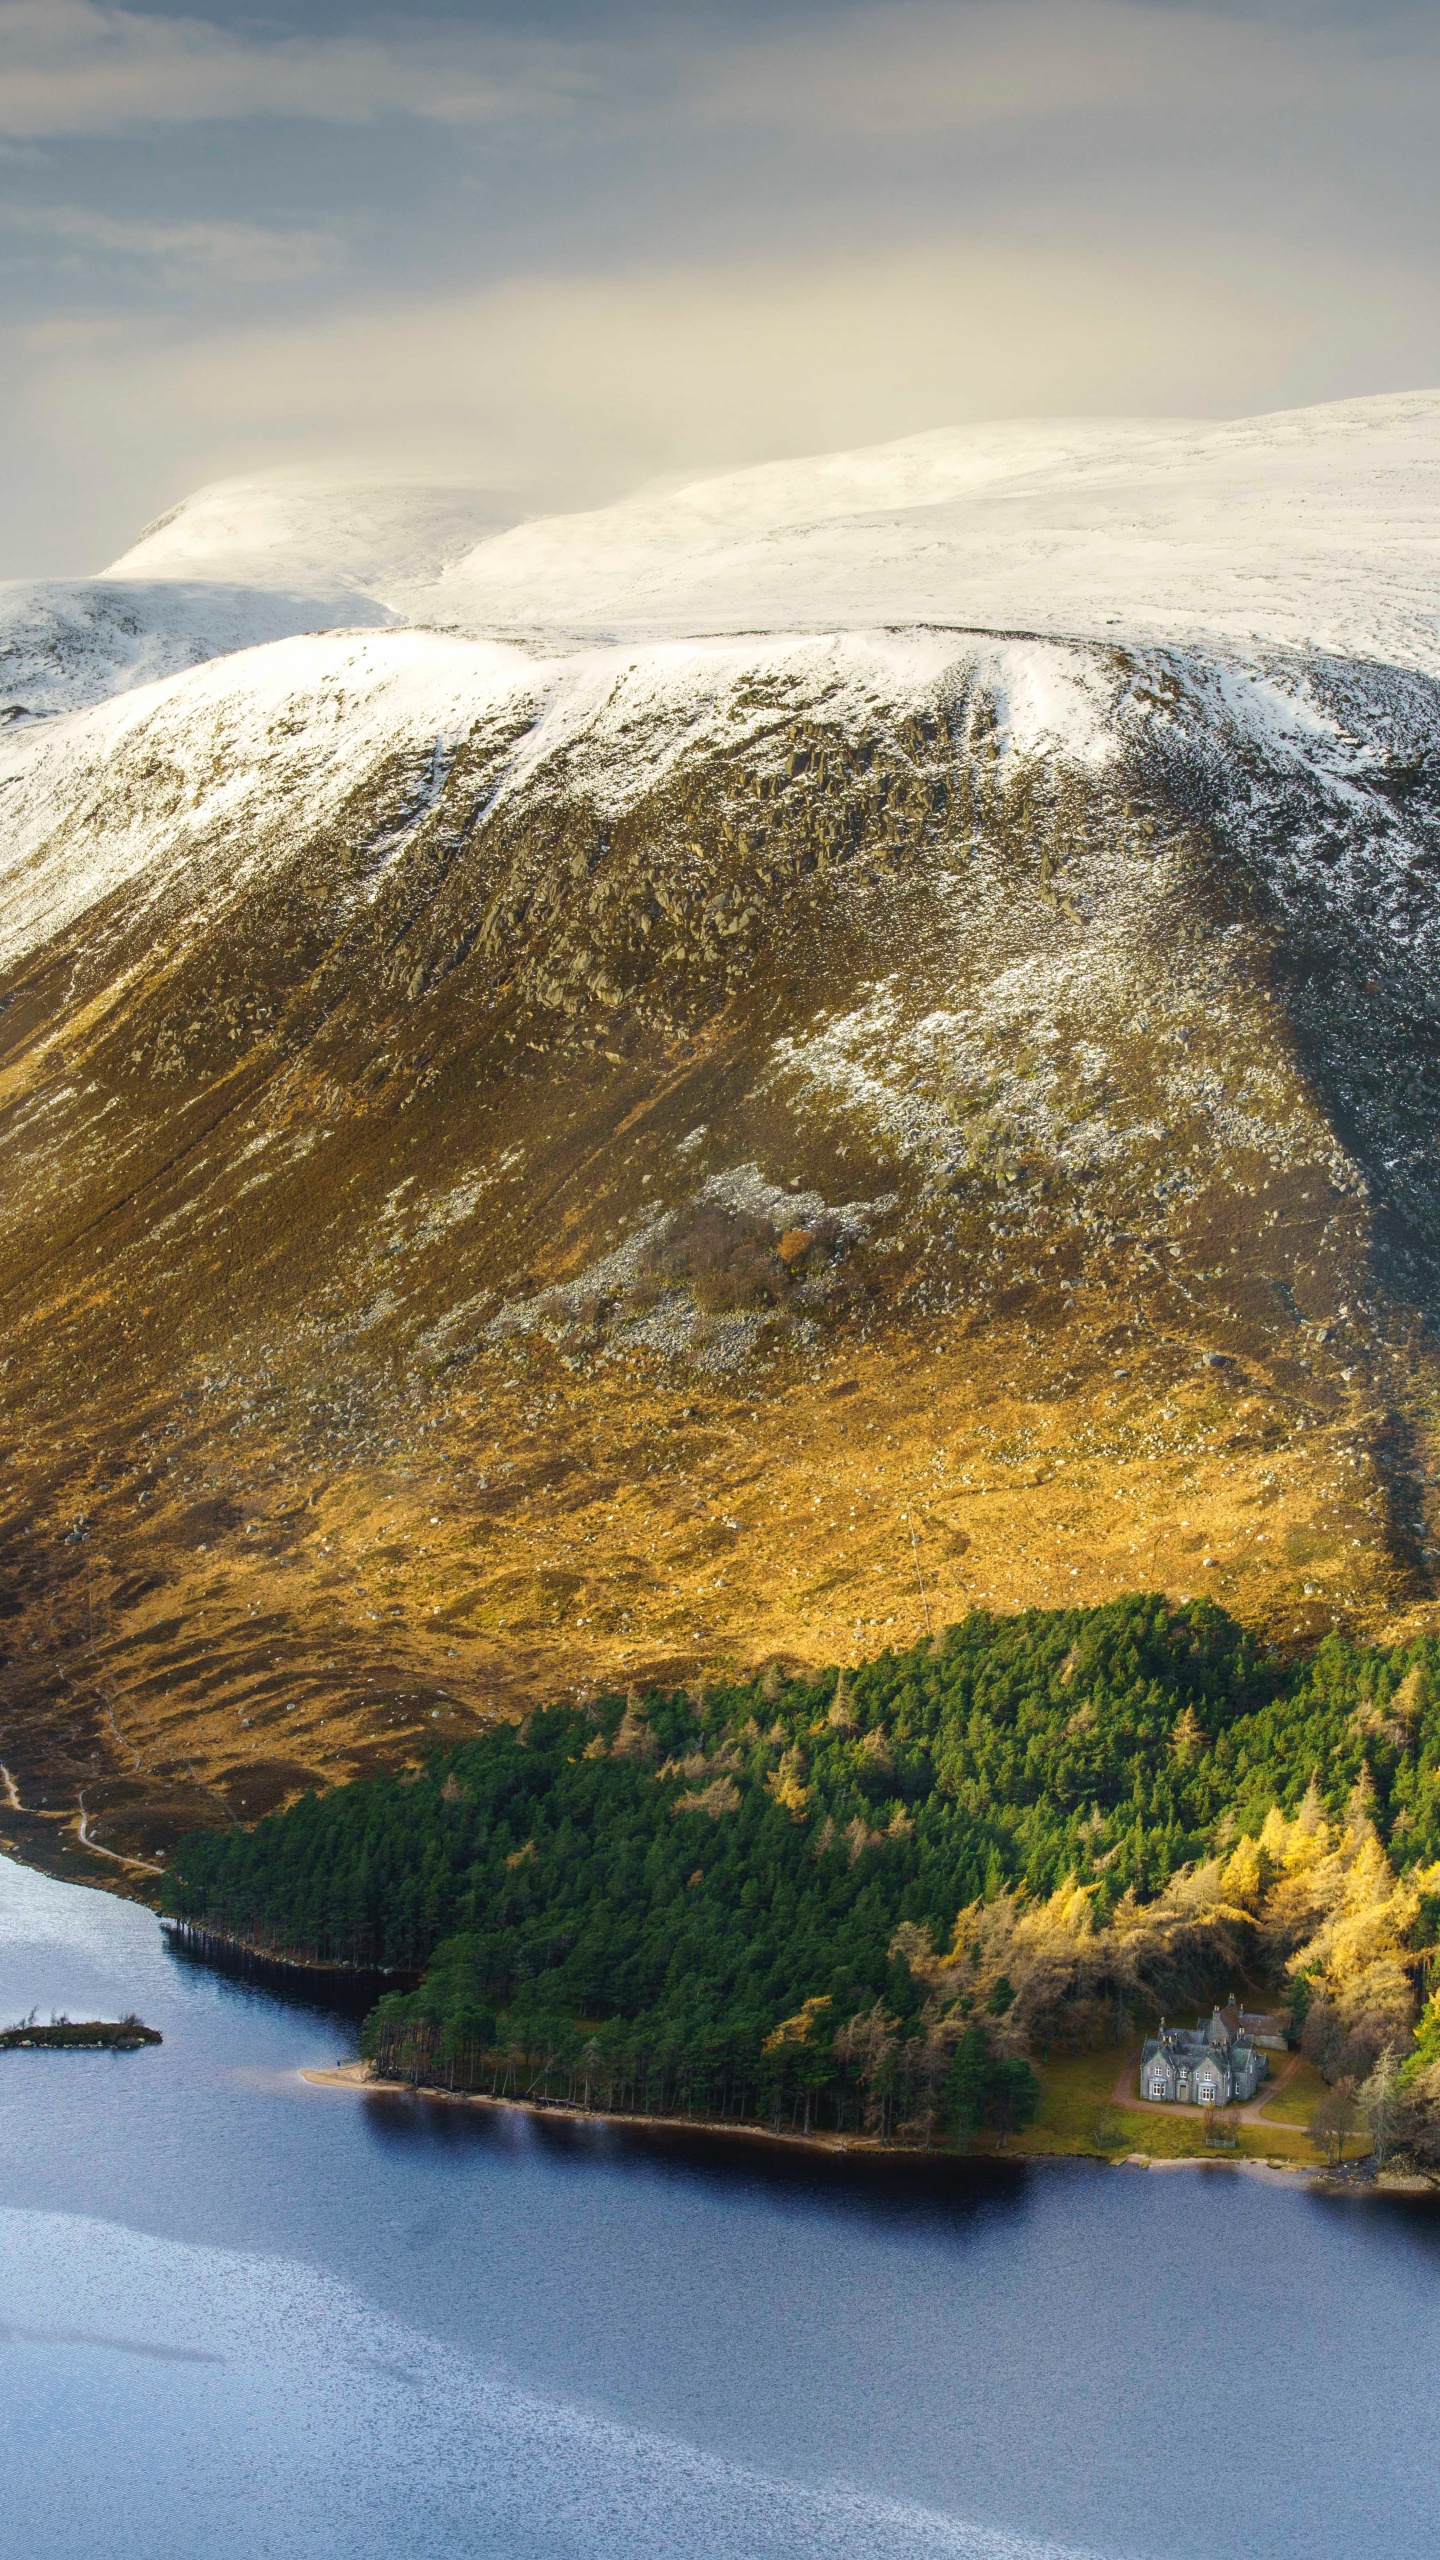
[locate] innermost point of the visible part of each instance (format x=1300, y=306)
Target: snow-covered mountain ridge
x=234, y=567
x=694, y=1107
x=295, y=730
x=1311, y=529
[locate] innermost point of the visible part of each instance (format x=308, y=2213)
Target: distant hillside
x=536, y=1167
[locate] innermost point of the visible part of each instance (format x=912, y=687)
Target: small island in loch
x=78, y=2035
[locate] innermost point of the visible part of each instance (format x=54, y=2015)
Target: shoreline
x=236, y=1955
x=48, y=1843
x=358, y=2080
x=357, y=2077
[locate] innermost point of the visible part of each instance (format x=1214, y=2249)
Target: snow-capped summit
x=1313, y=527
x=240, y=564
x=328, y=532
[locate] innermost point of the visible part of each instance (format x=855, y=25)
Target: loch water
x=243, y=2317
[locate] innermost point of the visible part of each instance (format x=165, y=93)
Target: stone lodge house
x=1204, y=2066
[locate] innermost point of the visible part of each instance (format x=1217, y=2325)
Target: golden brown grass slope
x=492, y=1213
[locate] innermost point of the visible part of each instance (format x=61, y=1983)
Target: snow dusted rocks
x=66, y=645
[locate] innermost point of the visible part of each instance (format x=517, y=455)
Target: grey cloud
x=244, y=252
x=72, y=67
x=934, y=69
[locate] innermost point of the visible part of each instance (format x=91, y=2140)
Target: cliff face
x=525, y=1173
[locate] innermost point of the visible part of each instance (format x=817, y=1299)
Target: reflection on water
x=318, y=2322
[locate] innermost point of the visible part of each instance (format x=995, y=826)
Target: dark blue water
x=240, y=2316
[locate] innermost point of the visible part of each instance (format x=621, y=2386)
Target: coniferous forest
x=868, y=1899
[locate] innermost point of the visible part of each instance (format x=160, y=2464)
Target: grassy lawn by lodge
x=1078, y=2114
x=1295, y=2103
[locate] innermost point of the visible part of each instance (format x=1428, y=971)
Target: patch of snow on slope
x=672, y=1326
x=1021, y=1063
x=1050, y=700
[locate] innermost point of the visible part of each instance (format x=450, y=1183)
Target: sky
x=573, y=249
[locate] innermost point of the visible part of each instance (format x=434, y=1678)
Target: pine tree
x=1188, y=1739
